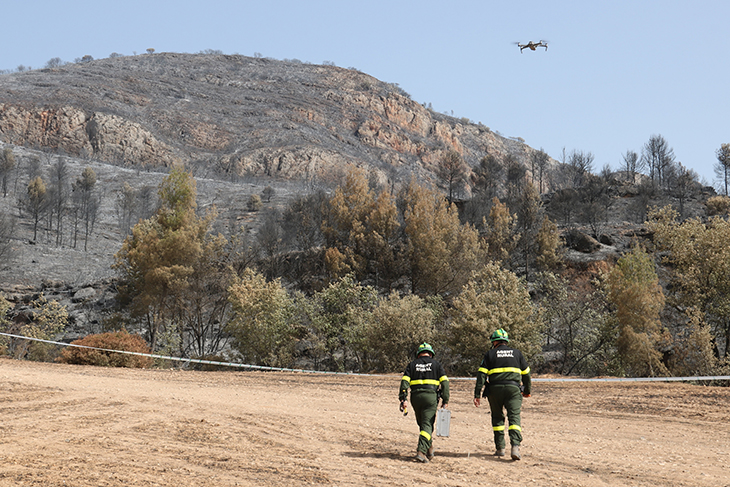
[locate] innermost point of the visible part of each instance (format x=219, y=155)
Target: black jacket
x=503, y=365
x=424, y=373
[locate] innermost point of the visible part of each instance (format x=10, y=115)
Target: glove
x=525, y=395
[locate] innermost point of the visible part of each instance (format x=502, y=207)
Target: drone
x=532, y=45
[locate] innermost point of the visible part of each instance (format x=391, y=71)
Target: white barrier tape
x=188, y=360
x=283, y=369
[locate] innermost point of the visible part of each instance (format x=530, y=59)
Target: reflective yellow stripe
x=444, y=378
x=483, y=370
x=406, y=378
x=430, y=382
x=498, y=428
x=426, y=435
x=526, y=371
x=515, y=427
x=504, y=369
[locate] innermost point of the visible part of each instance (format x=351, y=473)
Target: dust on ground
x=86, y=426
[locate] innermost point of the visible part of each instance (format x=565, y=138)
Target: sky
x=615, y=72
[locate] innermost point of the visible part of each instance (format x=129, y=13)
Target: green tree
x=700, y=256
x=261, y=325
x=177, y=194
x=168, y=261
x=398, y=325
x=338, y=315
x=493, y=298
x=634, y=291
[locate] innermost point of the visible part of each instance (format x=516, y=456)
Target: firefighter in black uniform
x=427, y=380
x=502, y=370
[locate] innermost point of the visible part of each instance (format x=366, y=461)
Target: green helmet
x=499, y=335
x=425, y=347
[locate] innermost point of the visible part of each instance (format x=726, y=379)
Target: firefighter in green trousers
x=502, y=370
x=426, y=378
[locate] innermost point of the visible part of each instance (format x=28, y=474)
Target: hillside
x=93, y=426
x=234, y=116
x=240, y=124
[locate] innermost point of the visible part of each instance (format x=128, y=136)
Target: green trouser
x=425, y=403
x=506, y=397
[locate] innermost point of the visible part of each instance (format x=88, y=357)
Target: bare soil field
x=86, y=426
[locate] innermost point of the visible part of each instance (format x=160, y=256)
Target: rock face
x=236, y=115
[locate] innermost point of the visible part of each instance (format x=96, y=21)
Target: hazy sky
x=615, y=73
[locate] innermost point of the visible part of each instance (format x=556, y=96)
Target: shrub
x=397, y=326
x=493, y=298
x=255, y=203
x=261, y=327
x=118, y=340
x=717, y=205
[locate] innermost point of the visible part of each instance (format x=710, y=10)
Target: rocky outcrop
x=87, y=305
x=69, y=129
x=581, y=242
x=56, y=128
x=113, y=138
x=239, y=115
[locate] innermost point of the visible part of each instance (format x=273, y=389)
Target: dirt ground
x=85, y=426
